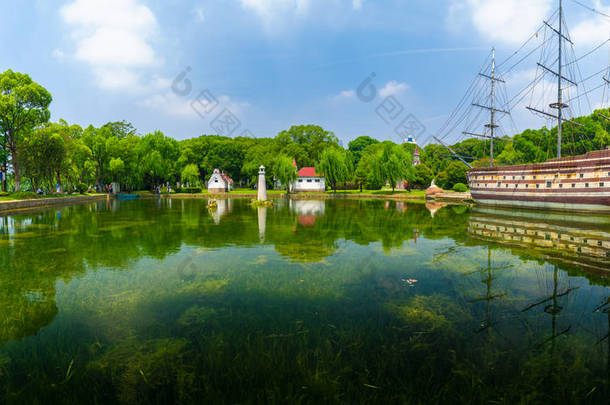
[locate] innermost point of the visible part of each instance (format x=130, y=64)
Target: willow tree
x=336, y=166
x=284, y=171
x=24, y=105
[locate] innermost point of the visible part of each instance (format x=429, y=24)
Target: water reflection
x=348, y=301
x=573, y=240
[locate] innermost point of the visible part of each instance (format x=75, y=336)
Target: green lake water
x=339, y=301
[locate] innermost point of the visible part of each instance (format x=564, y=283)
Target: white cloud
x=114, y=38
x=593, y=30
x=393, y=88
x=357, y=4
x=507, y=21
x=344, y=95
x=270, y=9
x=58, y=54
x=169, y=104
x=199, y=13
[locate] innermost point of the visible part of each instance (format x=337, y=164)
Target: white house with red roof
x=219, y=183
x=308, y=180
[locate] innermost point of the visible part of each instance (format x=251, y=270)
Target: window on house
x=507, y=186
x=527, y=186
x=537, y=185
x=587, y=185
x=522, y=177
x=215, y=180
x=516, y=186
x=569, y=176
x=309, y=180
x=317, y=180
x=560, y=185
x=513, y=177
x=573, y=185
x=534, y=177
x=300, y=180
x=548, y=184
x=499, y=183
x=601, y=184
x=504, y=178
x=582, y=175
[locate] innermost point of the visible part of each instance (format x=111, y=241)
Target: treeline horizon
x=45, y=154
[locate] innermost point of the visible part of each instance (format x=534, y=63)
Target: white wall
x=310, y=184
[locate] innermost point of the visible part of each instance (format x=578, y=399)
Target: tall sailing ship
x=575, y=183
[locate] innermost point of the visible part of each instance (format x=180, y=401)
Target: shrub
x=24, y=195
x=189, y=190
x=81, y=188
x=460, y=188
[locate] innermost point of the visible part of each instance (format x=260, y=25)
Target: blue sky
x=271, y=63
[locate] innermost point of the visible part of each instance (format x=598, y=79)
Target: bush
x=81, y=188
x=189, y=190
x=460, y=188
x=24, y=195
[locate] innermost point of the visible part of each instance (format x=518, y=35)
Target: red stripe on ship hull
x=544, y=198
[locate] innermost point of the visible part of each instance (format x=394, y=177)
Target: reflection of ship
x=579, y=241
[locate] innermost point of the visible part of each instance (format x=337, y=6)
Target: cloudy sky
x=177, y=65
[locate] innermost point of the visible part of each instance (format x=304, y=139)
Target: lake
x=337, y=301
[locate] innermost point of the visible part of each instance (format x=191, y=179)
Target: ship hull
x=577, y=183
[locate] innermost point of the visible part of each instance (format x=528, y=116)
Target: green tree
x=305, y=143
x=44, y=152
x=358, y=145
x=116, y=168
x=396, y=164
x=24, y=105
x=284, y=171
x=422, y=176
x=509, y=156
x=158, y=156
x=335, y=166
x=190, y=175
x=455, y=173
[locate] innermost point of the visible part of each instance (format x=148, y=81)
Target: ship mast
x=559, y=105
x=492, y=123
x=492, y=108
x=559, y=94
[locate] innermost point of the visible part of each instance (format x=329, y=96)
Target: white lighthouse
x=262, y=184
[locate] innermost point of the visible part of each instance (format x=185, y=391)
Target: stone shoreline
x=455, y=198
x=49, y=202
x=444, y=197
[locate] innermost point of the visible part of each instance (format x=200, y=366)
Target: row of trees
x=44, y=154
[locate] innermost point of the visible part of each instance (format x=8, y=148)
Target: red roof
x=226, y=178
x=308, y=172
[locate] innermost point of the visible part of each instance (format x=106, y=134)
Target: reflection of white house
x=223, y=207
x=219, y=183
x=307, y=211
x=308, y=180
x=307, y=207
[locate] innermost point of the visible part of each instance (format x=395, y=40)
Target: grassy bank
x=29, y=195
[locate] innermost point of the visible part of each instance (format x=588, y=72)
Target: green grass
x=30, y=195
